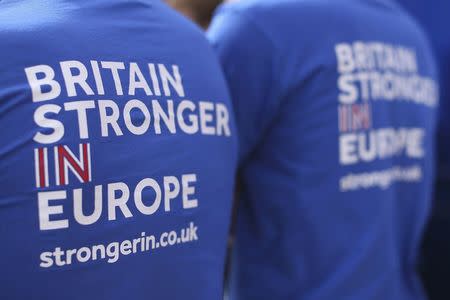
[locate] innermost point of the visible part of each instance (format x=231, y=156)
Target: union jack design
x=64, y=160
x=354, y=117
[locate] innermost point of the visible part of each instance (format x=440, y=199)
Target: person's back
x=335, y=104
x=118, y=153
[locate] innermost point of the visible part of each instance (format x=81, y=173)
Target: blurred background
x=200, y=11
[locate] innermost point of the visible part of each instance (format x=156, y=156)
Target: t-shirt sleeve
x=248, y=58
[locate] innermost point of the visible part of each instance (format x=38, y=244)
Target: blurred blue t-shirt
x=335, y=105
x=434, y=17
x=118, y=153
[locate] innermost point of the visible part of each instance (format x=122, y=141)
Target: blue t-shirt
x=335, y=106
x=118, y=153
x=433, y=16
